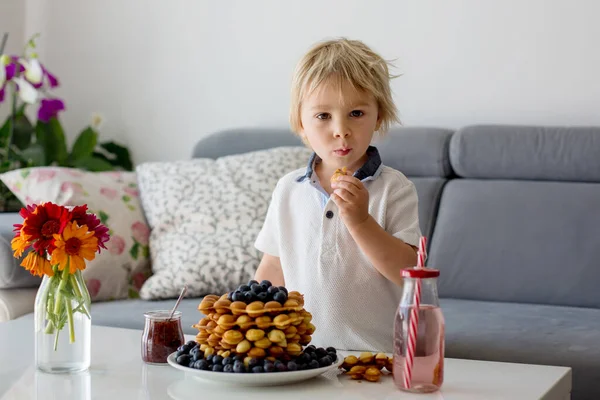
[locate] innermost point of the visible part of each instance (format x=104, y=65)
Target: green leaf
x=134, y=250
x=84, y=145
x=146, y=251
x=120, y=155
x=4, y=132
x=23, y=131
x=51, y=137
x=92, y=163
x=34, y=156
x=133, y=294
x=126, y=198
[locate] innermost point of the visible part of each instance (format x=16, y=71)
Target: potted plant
x=32, y=142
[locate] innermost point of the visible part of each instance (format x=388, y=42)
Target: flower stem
x=58, y=296
x=80, y=297
x=70, y=319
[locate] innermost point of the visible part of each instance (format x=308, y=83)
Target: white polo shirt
x=352, y=304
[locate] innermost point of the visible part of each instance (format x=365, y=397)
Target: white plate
x=255, y=379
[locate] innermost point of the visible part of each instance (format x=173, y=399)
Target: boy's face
x=338, y=124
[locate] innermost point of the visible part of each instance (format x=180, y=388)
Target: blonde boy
x=342, y=242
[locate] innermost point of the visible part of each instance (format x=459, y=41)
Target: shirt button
x=329, y=214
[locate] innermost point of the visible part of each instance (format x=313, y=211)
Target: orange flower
x=19, y=244
x=37, y=265
x=73, y=246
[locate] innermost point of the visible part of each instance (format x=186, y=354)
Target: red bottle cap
x=420, y=273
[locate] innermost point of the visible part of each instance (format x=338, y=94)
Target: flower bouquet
x=58, y=241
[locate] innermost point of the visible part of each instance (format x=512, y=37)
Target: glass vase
x=62, y=323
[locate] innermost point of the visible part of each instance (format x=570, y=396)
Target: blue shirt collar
x=369, y=168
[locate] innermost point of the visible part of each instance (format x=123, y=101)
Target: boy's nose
x=341, y=130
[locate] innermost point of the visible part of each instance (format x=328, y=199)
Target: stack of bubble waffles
x=252, y=327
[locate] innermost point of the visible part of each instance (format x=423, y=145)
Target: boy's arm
x=270, y=269
x=387, y=253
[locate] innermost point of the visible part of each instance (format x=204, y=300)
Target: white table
x=117, y=372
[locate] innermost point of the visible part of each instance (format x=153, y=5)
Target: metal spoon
x=183, y=292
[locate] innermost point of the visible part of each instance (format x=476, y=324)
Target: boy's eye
x=323, y=116
x=356, y=113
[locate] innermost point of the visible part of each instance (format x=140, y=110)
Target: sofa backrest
x=521, y=221
x=420, y=153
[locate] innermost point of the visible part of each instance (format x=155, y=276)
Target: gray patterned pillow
x=205, y=216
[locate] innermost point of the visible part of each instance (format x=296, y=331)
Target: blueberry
x=266, y=283
x=244, y=288
x=209, y=359
x=217, y=360
x=310, y=348
x=191, y=364
x=183, y=359
x=184, y=349
x=269, y=367
x=238, y=296
x=238, y=367
x=314, y=357
x=191, y=344
x=272, y=290
x=197, y=355
x=251, y=282
x=292, y=366
x=256, y=288
x=249, y=297
x=321, y=352
x=239, y=357
x=325, y=361
x=227, y=361
x=228, y=368
x=262, y=296
x=283, y=289
x=257, y=369
x=230, y=296
x=331, y=355
x=217, y=368
x=253, y=363
x=201, y=364
x=304, y=358
x=313, y=364
x=280, y=297
x=178, y=353
x=302, y=367
x=281, y=367
x=331, y=350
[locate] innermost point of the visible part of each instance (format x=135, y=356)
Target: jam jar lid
x=420, y=273
x=162, y=315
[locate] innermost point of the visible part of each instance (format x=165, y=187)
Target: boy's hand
x=352, y=199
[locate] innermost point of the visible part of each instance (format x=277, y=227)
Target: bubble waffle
x=222, y=305
x=294, y=323
x=338, y=172
x=367, y=366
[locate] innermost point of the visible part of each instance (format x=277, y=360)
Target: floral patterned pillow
x=119, y=271
x=205, y=216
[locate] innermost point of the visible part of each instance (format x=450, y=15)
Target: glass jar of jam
x=162, y=336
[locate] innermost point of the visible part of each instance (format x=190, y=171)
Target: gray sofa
x=513, y=217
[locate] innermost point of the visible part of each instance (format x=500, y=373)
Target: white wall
x=166, y=73
x=12, y=21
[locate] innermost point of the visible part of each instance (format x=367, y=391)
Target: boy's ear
x=378, y=123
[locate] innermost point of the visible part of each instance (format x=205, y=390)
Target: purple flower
x=1, y=95
x=49, y=108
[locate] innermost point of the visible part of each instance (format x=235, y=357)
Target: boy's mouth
x=344, y=151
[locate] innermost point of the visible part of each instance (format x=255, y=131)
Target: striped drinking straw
x=411, y=345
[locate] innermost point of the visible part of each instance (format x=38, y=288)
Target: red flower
x=25, y=213
x=43, y=223
x=81, y=216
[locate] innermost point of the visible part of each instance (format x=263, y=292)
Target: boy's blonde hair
x=345, y=61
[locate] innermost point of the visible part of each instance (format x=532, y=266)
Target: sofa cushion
x=416, y=152
x=429, y=191
x=527, y=152
x=205, y=215
x=119, y=271
x=12, y=275
x=130, y=313
x=517, y=241
x=531, y=334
